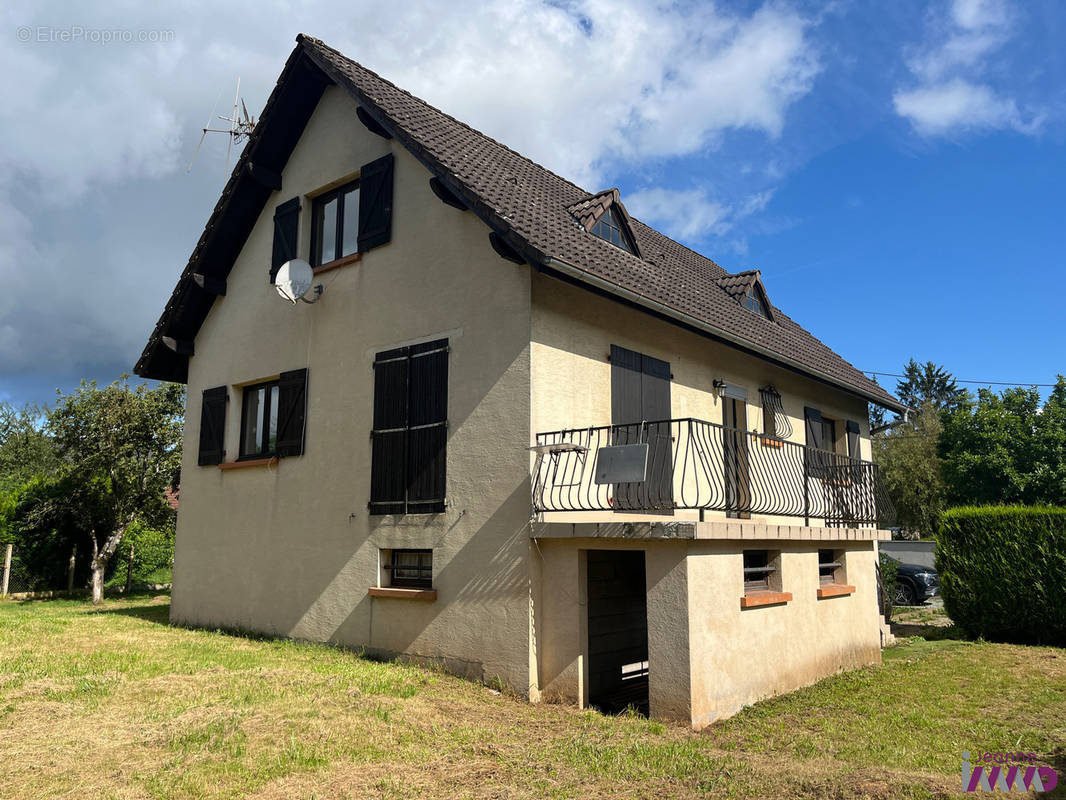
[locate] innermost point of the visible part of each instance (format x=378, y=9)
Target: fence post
x=129, y=571
x=70, y=568
x=7, y=571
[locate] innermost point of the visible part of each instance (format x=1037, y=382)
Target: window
x=259, y=420
x=829, y=434
x=852, y=429
x=828, y=566
x=757, y=570
x=608, y=229
x=407, y=472
x=411, y=568
x=751, y=302
x=335, y=224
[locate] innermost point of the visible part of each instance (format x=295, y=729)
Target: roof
x=534, y=211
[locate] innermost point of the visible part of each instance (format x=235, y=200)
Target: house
x=518, y=432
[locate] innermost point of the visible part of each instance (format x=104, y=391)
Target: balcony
x=662, y=466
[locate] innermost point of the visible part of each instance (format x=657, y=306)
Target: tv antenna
x=241, y=125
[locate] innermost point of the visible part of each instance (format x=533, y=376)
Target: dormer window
x=604, y=216
x=608, y=229
x=747, y=289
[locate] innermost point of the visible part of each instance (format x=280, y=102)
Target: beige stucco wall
x=738, y=656
x=708, y=658
x=291, y=549
x=572, y=334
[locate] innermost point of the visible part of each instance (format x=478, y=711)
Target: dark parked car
x=915, y=584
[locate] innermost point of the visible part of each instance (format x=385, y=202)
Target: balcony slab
x=734, y=529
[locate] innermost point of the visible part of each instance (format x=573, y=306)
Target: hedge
x=1003, y=572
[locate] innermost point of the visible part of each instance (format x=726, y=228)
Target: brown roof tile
x=533, y=209
x=540, y=208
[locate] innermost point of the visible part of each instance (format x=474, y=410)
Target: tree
x=118, y=449
x=910, y=469
x=1006, y=448
x=25, y=448
x=930, y=383
x=45, y=518
x=875, y=413
x=1049, y=474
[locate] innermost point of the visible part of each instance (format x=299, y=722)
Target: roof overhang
x=254, y=178
x=305, y=76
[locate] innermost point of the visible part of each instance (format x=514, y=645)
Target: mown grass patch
x=117, y=703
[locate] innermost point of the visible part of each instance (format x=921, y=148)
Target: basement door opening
x=617, y=630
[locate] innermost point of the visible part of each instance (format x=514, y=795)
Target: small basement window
x=830, y=566
x=259, y=420
x=758, y=570
x=335, y=224
x=411, y=569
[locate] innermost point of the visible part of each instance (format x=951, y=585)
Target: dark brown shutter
x=388, y=467
x=813, y=424
x=292, y=412
x=640, y=392
x=427, y=421
x=655, y=407
x=375, y=203
x=286, y=219
x=813, y=418
x=626, y=391
x=212, y=426
x=853, y=439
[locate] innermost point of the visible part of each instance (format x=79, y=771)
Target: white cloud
x=950, y=95
x=691, y=213
x=97, y=217
x=957, y=105
x=584, y=72
x=976, y=14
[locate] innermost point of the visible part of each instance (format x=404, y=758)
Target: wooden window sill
x=250, y=462
x=834, y=590
x=339, y=262
x=755, y=599
x=403, y=594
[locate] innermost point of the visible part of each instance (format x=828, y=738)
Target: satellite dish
x=294, y=279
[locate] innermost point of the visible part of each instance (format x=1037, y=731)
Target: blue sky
x=895, y=170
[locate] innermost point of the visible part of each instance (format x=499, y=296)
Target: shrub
x=1003, y=572
x=887, y=585
x=153, y=552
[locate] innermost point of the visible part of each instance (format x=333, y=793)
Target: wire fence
x=21, y=573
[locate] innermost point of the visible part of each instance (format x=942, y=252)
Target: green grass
x=114, y=702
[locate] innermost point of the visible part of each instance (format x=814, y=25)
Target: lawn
x=113, y=702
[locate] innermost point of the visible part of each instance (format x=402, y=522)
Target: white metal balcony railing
x=659, y=466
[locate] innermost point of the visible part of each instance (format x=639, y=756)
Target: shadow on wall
x=481, y=589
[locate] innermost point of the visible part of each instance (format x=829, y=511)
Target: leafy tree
x=44, y=524
x=910, y=468
x=876, y=413
x=25, y=448
x=1006, y=448
x=929, y=383
x=118, y=449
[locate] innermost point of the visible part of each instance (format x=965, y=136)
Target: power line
x=960, y=380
